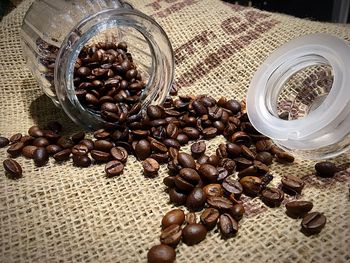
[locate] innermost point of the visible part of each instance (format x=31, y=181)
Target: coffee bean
x=114, y=168
x=263, y=146
x=202, y=159
x=159, y=147
x=251, y=185
x=242, y=163
x=35, y=131
x=325, y=169
x=175, y=216
x=88, y=143
x=213, y=160
x=28, y=151
x=233, y=150
x=228, y=164
x=191, y=132
x=187, y=179
x=208, y=173
x=161, y=254
x=77, y=137
x=193, y=234
x=223, y=173
x=155, y=112
x=292, y=184
x=103, y=145
x=65, y=142
x=264, y=157
x=52, y=149
x=15, y=149
x=241, y=138
x=246, y=152
x=171, y=235
x=13, y=169
x=186, y=160
x=284, y=157
x=249, y=171
x=169, y=181
x=198, y=149
x=213, y=190
x=313, y=223
x=190, y=218
x=83, y=71
x=3, y=141
x=177, y=197
x=221, y=151
x=209, y=133
x=40, y=156
x=272, y=197
x=233, y=105
x=80, y=149
x=237, y=211
x=119, y=153
x=62, y=155
x=232, y=186
x=15, y=138
x=143, y=149
x=172, y=131
x=150, y=167
x=27, y=140
x=100, y=156
x=298, y=208
x=228, y=225
x=209, y=218
x=196, y=199
x=219, y=202
x=102, y=134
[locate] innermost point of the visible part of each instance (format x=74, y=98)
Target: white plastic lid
x=323, y=126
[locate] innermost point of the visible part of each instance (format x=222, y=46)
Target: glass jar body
x=54, y=32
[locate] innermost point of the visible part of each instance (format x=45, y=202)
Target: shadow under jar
x=54, y=33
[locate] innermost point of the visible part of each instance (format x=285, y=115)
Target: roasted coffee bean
x=198, y=149
x=284, y=157
x=233, y=150
x=62, y=155
x=177, y=197
x=260, y=167
x=228, y=225
x=103, y=145
x=81, y=160
x=101, y=134
x=209, y=133
x=53, y=148
x=298, y=208
x=228, y=164
x=232, y=186
x=250, y=171
x=313, y=223
x=27, y=140
x=213, y=190
x=242, y=163
x=40, y=142
x=213, y=160
x=220, y=203
x=155, y=112
x=202, y=159
x=114, y=168
x=186, y=160
x=40, y=156
x=221, y=151
x=196, y=199
x=187, y=179
x=233, y=105
x=143, y=149
x=160, y=157
x=191, y=132
x=272, y=197
x=182, y=138
x=223, y=173
x=171, y=235
x=158, y=146
x=193, y=234
x=237, y=211
x=88, y=143
x=263, y=146
x=325, y=169
x=199, y=108
x=119, y=153
x=175, y=216
x=150, y=167
x=15, y=149
x=209, y=218
x=266, y=179
x=83, y=71
x=246, y=152
x=241, y=138
x=172, y=131
x=264, y=157
x=15, y=138
x=161, y=254
x=65, y=142
x=208, y=173
x=28, y=151
x=13, y=169
x=77, y=137
x=251, y=185
x=190, y=218
x=35, y=131
x=80, y=149
x=169, y=181
x=101, y=156
x=292, y=184
x=3, y=141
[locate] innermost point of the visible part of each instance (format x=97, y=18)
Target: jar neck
x=122, y=20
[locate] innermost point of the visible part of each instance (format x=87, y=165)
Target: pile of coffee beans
x=108, y=82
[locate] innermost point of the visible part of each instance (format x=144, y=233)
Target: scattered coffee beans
x=228, y=225
x=313, y=223
x=193, y=234
x=325, y=169
x=12, y=168
x=298, y=208
x=161, y=254
x=176, y=216
x=292, y=184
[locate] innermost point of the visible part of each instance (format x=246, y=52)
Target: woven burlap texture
x=61, y=213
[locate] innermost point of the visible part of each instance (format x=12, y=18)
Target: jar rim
x=307, y=132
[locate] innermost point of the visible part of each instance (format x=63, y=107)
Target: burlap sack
x=62, y=213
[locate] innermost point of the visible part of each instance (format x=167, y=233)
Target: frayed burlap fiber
x=61, y=213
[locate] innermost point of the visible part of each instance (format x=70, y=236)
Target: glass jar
x=54, y=32
x=300, y=97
